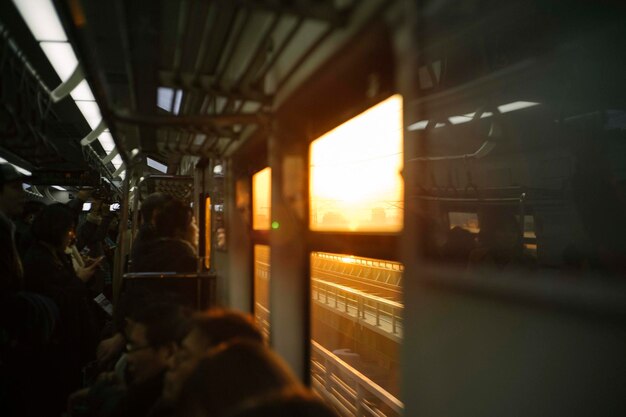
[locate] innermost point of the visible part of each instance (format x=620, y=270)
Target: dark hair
x=32, y=207
x=165, y=322
x=151, y=204
x=53, y=223
x=230, y=375
x=174, y=217
x=220, y=326
x=290, y=402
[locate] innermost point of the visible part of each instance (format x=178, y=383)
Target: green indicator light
x=275, y=225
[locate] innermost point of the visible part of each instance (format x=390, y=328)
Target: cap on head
x=8, y=173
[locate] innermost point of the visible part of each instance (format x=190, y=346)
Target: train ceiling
x=171, y=78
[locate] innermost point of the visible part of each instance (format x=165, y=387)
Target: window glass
x=355, y=178
x=261, y=199
x=261, y=287
x=356, y=330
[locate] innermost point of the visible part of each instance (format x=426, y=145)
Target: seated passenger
x=174, y=249
x=154, y=332
x=146, y=233
x=207, y=330
x=230, y=376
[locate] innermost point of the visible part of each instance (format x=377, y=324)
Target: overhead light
x=218, y=170
x=156, y=165
x=169, y=99
x=82, y=92
x=439, y=125
x=58, y=187
x=456, y=120
x=106, y=140
x=421, y=125
x=117, y=161
x=42, y=19
x=516, y=105
x=134, y=152
x=199, y=139
x=61, y=56
x=91, y=112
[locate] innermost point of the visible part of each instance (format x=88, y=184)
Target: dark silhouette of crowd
x=63, y=354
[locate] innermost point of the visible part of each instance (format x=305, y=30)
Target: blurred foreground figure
x=231, y=375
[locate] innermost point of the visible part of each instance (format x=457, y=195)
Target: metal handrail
x=348, y=299
x=372, y=263
x=333, y=366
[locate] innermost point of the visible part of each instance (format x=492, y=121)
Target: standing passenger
x=11, y=203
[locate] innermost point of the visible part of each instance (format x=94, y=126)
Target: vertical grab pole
x=121, y=238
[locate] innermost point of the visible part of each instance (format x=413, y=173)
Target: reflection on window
x=261, y=199
x=467, y=221
x=356, y=330
x=356, y=182
x=207, y=233
x=261, y=287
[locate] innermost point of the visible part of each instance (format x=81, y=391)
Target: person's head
x=206, y=331
x=230, y=375
x=55, y=226
x=11, y=191
x=32, y=210
x=153, y=336
x=175, y=220
x=150, y=205
x=290, y=402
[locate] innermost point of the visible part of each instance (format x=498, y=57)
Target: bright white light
x=516, y=105
x=117, y=161
x=156, y=165
x=123, y=174
x=439, y=125
x=134, y=152
x=218, y=169
x=82, y=92
x=456, y=120
x=91, y=112
x=42, y=19
x=86, y=206
x=164, y=98
x=106, y=140
x=61, y=56
x=58, y=187
x=177, y=100
x=421, y=125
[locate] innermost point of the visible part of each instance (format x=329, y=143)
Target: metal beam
x=191, y=121
x=323, y=11
x=207, y=84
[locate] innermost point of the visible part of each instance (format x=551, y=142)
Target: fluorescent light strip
x=516, y=105
x=156, y=165
x=58, y=187
x=117, y=161
x=421, y=125
x=61, y=56
x=42, y=19
x=91, y=112
x=178, y=98
x=106, y=140
x=82, y=92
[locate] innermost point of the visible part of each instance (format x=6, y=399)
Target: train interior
x=422, y=204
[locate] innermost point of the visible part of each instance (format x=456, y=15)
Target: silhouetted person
x=459, y=244
x=23, y=223
x=231, y=375
x=174, y=248
x=146, y=232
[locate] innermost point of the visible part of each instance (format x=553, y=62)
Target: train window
x=261, y=287
x=356, y=331
x=355, y=178
x=261, y=199
x=467, y=221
